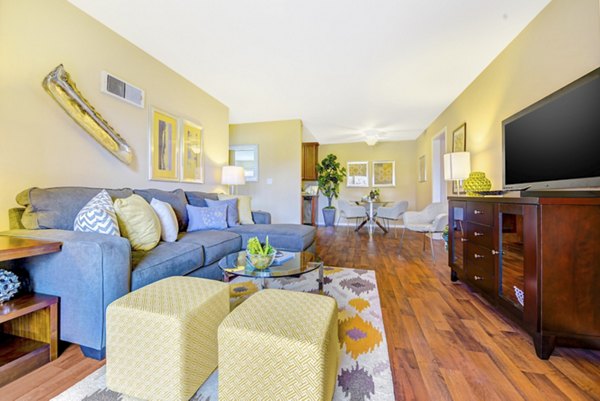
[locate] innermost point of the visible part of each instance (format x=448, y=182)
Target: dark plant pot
x=328, y=216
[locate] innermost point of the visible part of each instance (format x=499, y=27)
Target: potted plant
x=330, y=176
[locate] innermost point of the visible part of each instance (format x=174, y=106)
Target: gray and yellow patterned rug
x=364, y=373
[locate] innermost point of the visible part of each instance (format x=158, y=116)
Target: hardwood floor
x=445, y=342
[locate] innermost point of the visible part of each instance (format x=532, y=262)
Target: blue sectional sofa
x=92, y=270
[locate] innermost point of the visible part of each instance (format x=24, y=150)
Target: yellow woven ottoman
x=279, y=345
x=161, y=340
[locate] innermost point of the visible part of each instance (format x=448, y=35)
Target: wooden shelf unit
x=28, y=334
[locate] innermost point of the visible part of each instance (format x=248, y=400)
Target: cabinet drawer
x=480, y=234
x=480, y=212
x=480, y=267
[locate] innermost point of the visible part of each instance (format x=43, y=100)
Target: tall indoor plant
x=330, y=176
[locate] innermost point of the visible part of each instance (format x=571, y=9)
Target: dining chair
x=393, y=212
x=432, y=219
x=349, y=211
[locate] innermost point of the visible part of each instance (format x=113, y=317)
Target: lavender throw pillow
x=233, y=216
x=207, y=218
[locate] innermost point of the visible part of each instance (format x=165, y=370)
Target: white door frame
x=438, y=184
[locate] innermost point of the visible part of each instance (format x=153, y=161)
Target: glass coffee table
x=235, y=264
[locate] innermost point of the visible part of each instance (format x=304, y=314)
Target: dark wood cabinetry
x=535, y=259
x=310, y=154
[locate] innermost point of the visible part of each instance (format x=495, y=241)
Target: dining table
x=371, y=205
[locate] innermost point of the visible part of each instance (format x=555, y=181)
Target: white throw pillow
x=168, y=220
x=98, y=216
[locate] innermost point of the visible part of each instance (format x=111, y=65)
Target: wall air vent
x=118, y=88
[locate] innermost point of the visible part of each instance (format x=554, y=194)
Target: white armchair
x=430, y=220
x=394, y=212
x=349, y=211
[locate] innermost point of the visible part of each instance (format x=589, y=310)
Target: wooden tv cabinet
x=546, y=247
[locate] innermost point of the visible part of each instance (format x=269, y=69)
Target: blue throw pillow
x=207, y=218
x=233, y=216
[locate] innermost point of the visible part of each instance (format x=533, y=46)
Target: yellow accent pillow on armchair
x=138, y=222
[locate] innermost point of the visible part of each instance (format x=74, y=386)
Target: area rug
x=364, y=373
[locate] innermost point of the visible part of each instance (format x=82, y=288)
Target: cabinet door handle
x=477, y=256
x=495, y=252
x=464, y=240
x=477, y=211
x=477, y=234
x=477, y=278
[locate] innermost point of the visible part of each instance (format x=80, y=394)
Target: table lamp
x=457, y=166
x=232, y=176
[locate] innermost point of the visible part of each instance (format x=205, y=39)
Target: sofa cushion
x=175, y=198
x=244, y=205
x=286, y=237
x=207, y=218
x=58, y=207
x=216, y=244
x=233, y=216
x=98, y=216
x=196, y=198
x=167, y=259
x=169, y=228
x=138, y=222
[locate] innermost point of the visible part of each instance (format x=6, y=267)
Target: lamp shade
x=233, y=175
x=457, y=166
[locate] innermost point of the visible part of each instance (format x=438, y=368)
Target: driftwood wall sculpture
x=62, y=89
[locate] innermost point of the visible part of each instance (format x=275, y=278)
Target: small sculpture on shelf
x=9, y=285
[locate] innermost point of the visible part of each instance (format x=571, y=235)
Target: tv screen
x=555, y=143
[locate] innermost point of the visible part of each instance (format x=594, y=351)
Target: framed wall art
x=459, y=139
x=384, y=173
x=192, y=153
x=358, y=174
x=164, y=141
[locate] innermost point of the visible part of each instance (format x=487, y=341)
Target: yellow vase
x=477, y=181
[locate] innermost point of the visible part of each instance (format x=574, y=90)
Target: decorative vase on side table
x=477, y=181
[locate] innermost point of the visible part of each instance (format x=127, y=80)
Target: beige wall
x=280, y=152
x=41, y=146
x=404, y=153
x=561, y=44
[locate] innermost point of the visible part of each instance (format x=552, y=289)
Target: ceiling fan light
x=371, y=140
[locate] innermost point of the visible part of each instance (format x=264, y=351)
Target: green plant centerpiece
x=258, y=255
x=330, y=175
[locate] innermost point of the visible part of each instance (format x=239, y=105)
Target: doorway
x=439, y=188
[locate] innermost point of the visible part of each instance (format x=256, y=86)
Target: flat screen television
x=555, y=143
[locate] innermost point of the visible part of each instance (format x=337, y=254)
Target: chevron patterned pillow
x=98, y=216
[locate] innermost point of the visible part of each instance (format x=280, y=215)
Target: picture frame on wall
x=164, y=146
x=384, y=173
x=357, y=174
x=422, y=169
x=192, y=152
x=459, y=138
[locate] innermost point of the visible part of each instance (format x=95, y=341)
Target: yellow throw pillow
x=244, y=207
x=138, y=222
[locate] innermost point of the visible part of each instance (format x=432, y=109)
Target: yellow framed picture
x=192, y=153
x=164, y=141
x=384, y=173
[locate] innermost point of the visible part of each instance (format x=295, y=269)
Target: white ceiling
x=342, y=66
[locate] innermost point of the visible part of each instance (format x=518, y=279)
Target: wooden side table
x=28, y=323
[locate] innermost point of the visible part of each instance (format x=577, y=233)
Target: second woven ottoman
x=279, y=345
x=161, y=340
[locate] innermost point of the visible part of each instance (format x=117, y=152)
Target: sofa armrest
x=261, y=217
x=89, y=272
x=14, y=218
